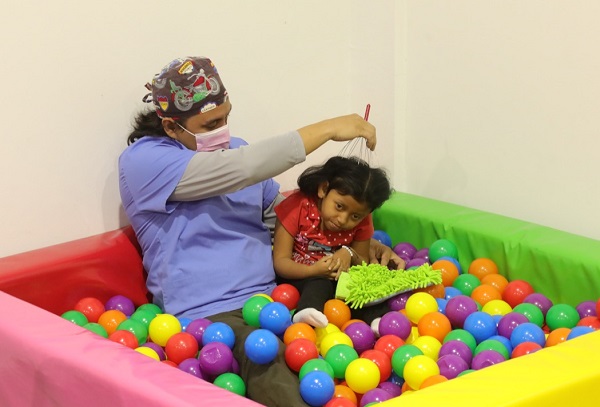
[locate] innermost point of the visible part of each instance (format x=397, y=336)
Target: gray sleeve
x=225, y=171
x=269, y=215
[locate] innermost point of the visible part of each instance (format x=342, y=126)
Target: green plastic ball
x=402, y=355
x=533, y=313
x=135, y=327
x=462, y=335
x=316, y=364
x=232, y=382
x=75, y=317
x=466, y=283
x=153, y=308
x=252, y=308
x=562, y=316
x=96, y=328
x=442, y=248
x=492, y=344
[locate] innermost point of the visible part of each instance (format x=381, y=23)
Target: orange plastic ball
x=436, y=291
x=434, y=324
x=431, y=380
x=485, y=293
x=559, y=335
x=111, y=319
x=482, y=267
x=337, y=312
x=448, y=270
x=496, y=280
x=299, y=330
x=341, y=390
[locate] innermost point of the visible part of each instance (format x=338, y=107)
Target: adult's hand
x=343, y=128
x=384, y=255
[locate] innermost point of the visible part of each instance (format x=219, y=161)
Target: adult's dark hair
x=146, y=123
x=348, y=176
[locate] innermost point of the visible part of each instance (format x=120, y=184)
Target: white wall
x=493, y=105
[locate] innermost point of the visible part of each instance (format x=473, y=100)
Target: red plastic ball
x=181, y=346
x=592, y=321
x=91, y=307
x=516, y=291
x=388, y=344
x=382, y=360
x=299, y=351
x=286, y=294
x=340, y=402
x=124, y=337
x=525, y=348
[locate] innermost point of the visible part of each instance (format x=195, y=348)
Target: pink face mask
x=216, y=139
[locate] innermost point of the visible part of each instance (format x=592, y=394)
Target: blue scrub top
x=202, y=257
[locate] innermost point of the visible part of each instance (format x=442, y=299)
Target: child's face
x=340, y=212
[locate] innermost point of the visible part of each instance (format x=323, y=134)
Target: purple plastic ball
x=191, y=366
x=540, y=301
x=586, y=309
x=398, y=302
x=120, y=303
x=157, y=348
x=459, y=308
x=405, y=250
x=375, y=395
x=486, y=358
x=422, y=254
x=391, y=388
x=395, y=323
x=215, y=358
x=197, y=327
x=362, y=336
x=458, y=348
x=509, y=322
x=451, y=366
x=415, y=262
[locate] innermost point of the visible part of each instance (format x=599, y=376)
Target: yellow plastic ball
x=362, y=375
x=418, y=368
x=334, y=338
x=322, y=332
x=497, y=307
x=429, y=345
x=268, y=297
x=414, y=334
x=162, y=327
x=144, y=350
x=419, y=304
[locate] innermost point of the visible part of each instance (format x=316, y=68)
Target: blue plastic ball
x=219, y=332
x=317, y=388
x=383, y=237
x=481, y=325
x=451, y=292
x=504, y=341
x=261, y=346
x=184, y=322
x=579, y=330
x=442, y=302
x=527, y=332
x=275, y=317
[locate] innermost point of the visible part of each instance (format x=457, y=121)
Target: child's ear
x=322, y=190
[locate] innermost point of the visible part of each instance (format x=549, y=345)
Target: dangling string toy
x=360, y=144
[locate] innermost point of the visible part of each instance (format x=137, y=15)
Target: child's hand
x=326, y=267
x=342, y=260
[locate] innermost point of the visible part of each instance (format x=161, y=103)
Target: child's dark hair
x=348, y=176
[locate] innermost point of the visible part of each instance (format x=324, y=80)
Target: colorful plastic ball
x=332, y=339
x=197, y=327
x=436, y=290
x=486, y=358
x=191, y=366
x=433, y=380
x=181, y=346
x=451, y=292
x=299, y=330
x=441, y=248
x=151, y=353
x=218, y=332
x=275, y=317
x=157, y=348
x=491, y=344
x=361, y=335
x=402, y=355
x=96, y=328
x=454, y=261
x=509, y=322
x=362, y=375
x=339, y=357
x=584, y=309
x=457, y=348
x=121, y=303
x=463, y=336
x=480, y=325
x=343, y=391
x=231, y=382
x=315, y=364
x=557, y=336
x=591, y=321
x=482, y=267
x=136, y=327
x=418, y=369
x=300, y=351
x=382, y=237
x=162, y=327
x=91, y=307
x=126, y=338
x=442, y=302
x=525, y=348
x=396, y=323
x=578, y=331
x=405, y=250
x=388, y=344
x=532, y=312
x=261, y=346
x=527, y=332
x=286, y=294
x=414, y=334
x=153, y=308
x=316, y=388
x=398, y=302
x=111, y=319
x=337, y=312
x=215, y=358
x=429, y=345
x=322, y=332
x=76, y=317
x=374, y=396
x=466, y=283
x=143, y=316
x=504, y=341
x=166, y=362
x=340, y=402
x=598, y=307
x=516, y=291
x=415, y=263
x=562, y=316
x=422, y=254
x=382, y=361
x=495, y=280
x=497, y=307
x=459, y=308
x=252, y=308
x=434, y=324
x=540, y=301
x=418, y=305
x=451, y=365
x=394, y=389
x=448, y=270
x=485, y=293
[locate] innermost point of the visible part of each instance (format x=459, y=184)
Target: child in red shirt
x=324, y=228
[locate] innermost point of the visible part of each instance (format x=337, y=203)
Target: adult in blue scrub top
x=201, y=205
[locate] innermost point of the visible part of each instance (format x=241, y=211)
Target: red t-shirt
x=300, y=216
